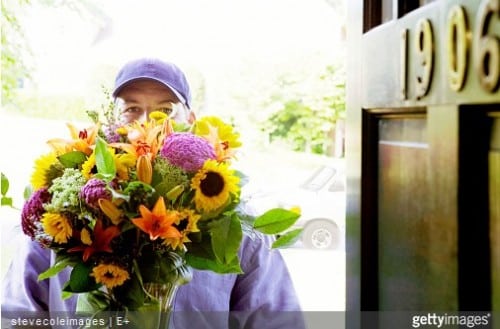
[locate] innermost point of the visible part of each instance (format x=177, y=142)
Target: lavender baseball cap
x=150, y=68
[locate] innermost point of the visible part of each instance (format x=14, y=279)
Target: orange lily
x=145, y=139
x=100, y=243
x=81, y=140
x=158, y=223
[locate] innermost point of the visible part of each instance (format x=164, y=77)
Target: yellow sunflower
x=220, y=135
x=186, y=224
x=110, y=275
x=213, y=185
x=57, y=226
x=88, y=166
x=44, y=166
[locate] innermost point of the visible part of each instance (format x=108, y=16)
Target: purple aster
x=94, y=190
x=33, y=210
x=187, y=151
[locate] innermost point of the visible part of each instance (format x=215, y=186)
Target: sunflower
x=110, y=275
x=186, y=224
x=88, y=167
x=220, y=135
x=47, y=167
x=213, y=186
x=57, y=226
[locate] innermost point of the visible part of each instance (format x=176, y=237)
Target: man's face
x=138, y=99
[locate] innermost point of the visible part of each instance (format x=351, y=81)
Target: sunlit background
x=272, y=67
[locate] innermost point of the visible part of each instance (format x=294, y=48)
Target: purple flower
x=110, y=133
x=187, y=151
x=33, y=210
x=94, y=190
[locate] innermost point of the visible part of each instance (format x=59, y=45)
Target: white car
x=322, y=201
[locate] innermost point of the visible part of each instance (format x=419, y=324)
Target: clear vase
x=164, y=295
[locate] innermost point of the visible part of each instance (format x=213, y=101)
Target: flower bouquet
x=132, y=208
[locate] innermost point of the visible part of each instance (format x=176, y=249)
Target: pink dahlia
x=94, y=190
x=33, y=210
x=187, y=151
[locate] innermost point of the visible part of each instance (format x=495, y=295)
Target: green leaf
x=72, y=159
x=275, y=221
x=202, y=263
x=226, y=237
x=201, y=256
x=163, y=268
x=4, y=184
x=104, y=160
x=91, y=302
x=287, y=239
x=6, y=201
x=28, y=190
x=130, y=294
x=80, y=279
x=61, y=263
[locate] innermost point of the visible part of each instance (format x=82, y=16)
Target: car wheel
x=321, y=234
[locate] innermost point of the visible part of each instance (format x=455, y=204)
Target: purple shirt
x=263, y=295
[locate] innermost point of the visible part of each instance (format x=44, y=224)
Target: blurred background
x=274, y=68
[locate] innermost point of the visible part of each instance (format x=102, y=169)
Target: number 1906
x=485, y=45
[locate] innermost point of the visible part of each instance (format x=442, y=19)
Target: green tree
x=307, y=122
x=14, y=49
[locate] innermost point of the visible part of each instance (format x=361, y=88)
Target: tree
x=306, y=121
x=16, y=52
x=14, y=46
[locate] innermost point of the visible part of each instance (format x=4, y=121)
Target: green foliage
x=4, y=199
x=307, y=122
x=275, y=221
x=17, y=53
x=62, y=261
x=14, y=48
x=288, y=239
x=65, y=107
x=80, y=279
x=104, y=161
x=72, y=159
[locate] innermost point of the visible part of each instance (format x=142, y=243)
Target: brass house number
x=486, y=47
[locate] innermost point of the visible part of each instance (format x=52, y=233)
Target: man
x=262, y=297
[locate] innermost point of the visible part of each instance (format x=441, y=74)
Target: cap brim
x=127, y=82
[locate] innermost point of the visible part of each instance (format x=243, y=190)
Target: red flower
x=101, y=240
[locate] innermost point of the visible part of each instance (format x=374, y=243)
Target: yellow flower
x=213, y=186
x=85, y=237
x=144, y=169
x=145, y=139
x=81, y=140
x=188, y=221
x=111, y=210
x=57, y=226
x=220, y=135
x=88, y=166
x=43, y=166
x=123, y=163
x=110, y=275
x=158, y=116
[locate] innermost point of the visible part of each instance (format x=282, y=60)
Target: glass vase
x=164, y=295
